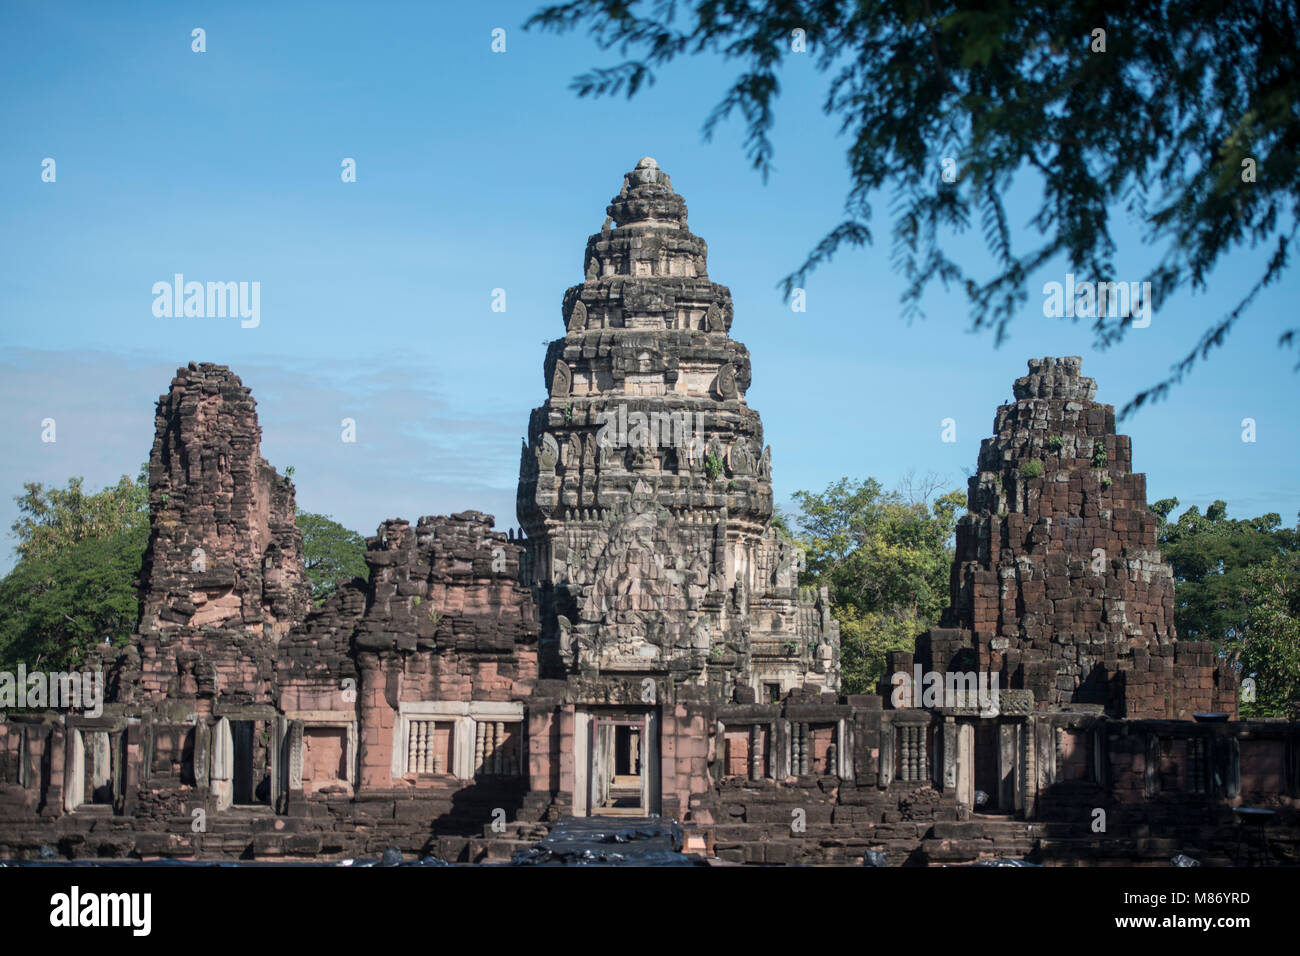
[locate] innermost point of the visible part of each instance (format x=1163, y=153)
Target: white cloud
x=418, y=451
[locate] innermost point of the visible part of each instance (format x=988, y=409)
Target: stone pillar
x=132, y=766
x=949, y=751
x=780, y=749
x=74, y=770
x=574, y=728
x=924, y=772
x=965, y=766
x=1151, y=767
x=378, y=755
x=888, y=747
x=202, y=754
x=1027, y=791
x=1100, y=756
x=1008, y=765
x=1232, y=768
x=1045, y=736
x=294, y=748
x=101, y=764
x=223, y=765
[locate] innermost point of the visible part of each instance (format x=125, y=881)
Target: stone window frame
x=1198, y=774
x=18, y=732
x=219, y=778
x=465, y=717
x=930, y=738
x=345, y=720
x=769, y=758
x=74, y=763
x=840, y=738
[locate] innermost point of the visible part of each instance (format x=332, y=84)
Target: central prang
x=645, y=490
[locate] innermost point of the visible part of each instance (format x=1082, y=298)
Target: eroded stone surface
x=1057, y=583
x=645, y=488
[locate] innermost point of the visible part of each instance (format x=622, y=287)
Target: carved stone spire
x=648, y=377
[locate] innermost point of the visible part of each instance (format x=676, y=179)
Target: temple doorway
x=241, y=733
x=988, y=780
x=622, y=779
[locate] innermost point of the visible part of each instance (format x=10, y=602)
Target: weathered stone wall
x=446, y=621
x=1164, y=786
x=223, y=576
x=1057, y=584
x=645, y=488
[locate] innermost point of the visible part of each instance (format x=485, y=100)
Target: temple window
x=814, y=749
x=462, y=739
x=913, y=759
x=497, y=748
x=251, y=780
x=241, y=762
x=326, y=751
x=88, y=769
x=747, y=751
x=430, y=747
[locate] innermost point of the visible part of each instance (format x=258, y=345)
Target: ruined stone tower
x=223, y=578
x=1057, y=583
x=645, y=489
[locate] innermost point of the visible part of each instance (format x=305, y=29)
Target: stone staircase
x=987, y=837
x=499, y=847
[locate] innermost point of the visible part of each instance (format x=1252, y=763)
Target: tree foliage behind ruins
x=885, y=556
x=1237, y=583
x=79, y=557
x=330, y=553
x=75, y=582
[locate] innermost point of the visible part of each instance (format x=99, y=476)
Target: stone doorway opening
x=250, y=770
x=988, y=779
x=620, y=765
x=618, y=757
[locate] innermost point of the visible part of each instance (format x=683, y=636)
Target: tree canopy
x=1268, y=647
x=1182, y=117
x=885, y=556
x=1212, y=557
x=52, y=519
x=1237, y=583
x=330, y=553
x=75, y=582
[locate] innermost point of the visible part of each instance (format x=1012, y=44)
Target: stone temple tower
x=1057, y=583
x=645, y=489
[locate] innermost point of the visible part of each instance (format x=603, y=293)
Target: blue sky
x=478, y=171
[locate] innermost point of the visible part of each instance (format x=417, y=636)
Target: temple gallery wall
x=644, y=645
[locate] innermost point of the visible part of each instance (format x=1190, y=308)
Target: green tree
x=865, y=639
x=885, y=556
x=54, y=608
x=1179, y=116
x=75, y=582
x=50, y=520
x=1212, y=557
x=1268, y=647
x=330, y=553
x=1236, y=583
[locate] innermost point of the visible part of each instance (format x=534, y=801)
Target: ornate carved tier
x=645, y=488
